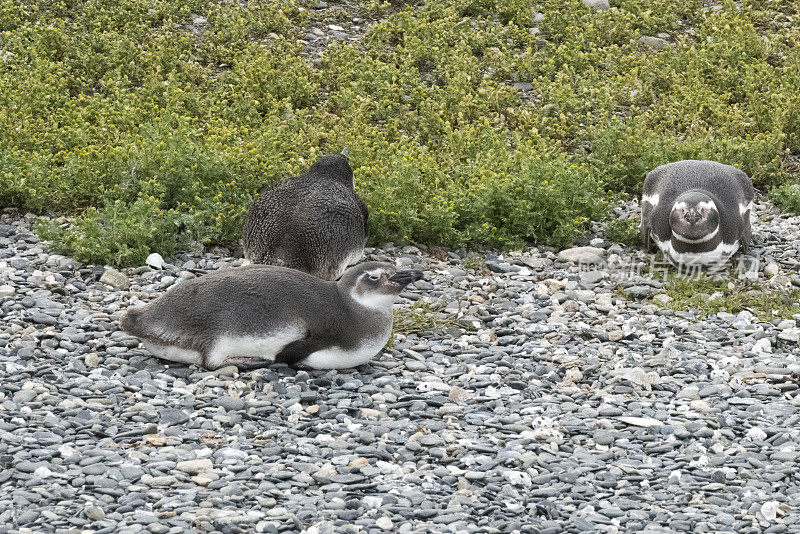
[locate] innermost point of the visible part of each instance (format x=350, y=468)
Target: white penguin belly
x=173, y=353
x=715, y=258
x=339, y=358
x=237, y=350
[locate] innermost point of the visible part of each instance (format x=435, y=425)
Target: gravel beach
x=562, y=397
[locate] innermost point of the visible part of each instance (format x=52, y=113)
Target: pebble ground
x=564, y=399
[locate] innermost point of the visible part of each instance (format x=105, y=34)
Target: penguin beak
x=403, y=278
x=692, y=216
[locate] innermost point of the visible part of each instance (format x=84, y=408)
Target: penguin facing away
x=314, y=222
x=697, y=212
x=258, y=314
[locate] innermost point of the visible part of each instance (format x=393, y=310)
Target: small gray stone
x=230, y=403
x=586, y=255
x=603, y=437
x=655, y=43
x=41, y=318
x=771, y=269
x=94, y=513
x=115, y=279
x=172, y=416
x=28, y=516
x=24, y=396
x=351, y=478
x=591, y=278
x=195, y=466
x=155, y=260
x=690, y=393
x=640, y=291
x=598, y=5
x=26, y=466
x=415, y=365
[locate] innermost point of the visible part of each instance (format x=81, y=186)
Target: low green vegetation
x=475, y=262
x=152, y=123
x=421, y=317
x=787, y=197
x=707, y=295
x=625, y=231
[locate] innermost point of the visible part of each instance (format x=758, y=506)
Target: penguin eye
x=374, y=277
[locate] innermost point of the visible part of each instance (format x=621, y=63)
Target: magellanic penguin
x=697, y=212
x=314, y=222
x=258, y=314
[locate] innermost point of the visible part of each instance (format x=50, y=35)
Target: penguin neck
x=366, y=305
x=707, y=237
x=707, y=244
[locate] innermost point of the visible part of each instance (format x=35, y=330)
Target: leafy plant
x=475, y=262
x=787, y=196
x=708, y=295
x=625, y=231
x=421, y=317
x=178, y=112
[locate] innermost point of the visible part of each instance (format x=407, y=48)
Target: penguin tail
x=130, y=323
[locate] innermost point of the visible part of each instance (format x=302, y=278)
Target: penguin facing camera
x=258, y=314
x=697, y=212
x=314, y=222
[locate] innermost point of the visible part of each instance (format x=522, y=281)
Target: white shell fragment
x=640, y=421
x=155, y=261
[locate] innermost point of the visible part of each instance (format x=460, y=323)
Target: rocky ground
x=556, y=403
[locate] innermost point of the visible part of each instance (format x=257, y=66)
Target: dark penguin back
x=312, y=222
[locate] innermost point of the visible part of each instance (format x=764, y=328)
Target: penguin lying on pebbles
x=263, y=313
x=314, y=222
x=697, y=212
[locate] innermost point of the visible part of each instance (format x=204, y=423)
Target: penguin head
x=694, y=217
x=376, y=284
x=334, y=167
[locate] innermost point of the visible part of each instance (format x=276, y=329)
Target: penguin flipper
x=299, y=350
x=365, y=218
x=134, y=322
x=646, y=241
x=747, y=234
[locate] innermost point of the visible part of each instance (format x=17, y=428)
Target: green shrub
x=625, y=231
x=422, y=317
x=787, y=197
x=708, y=295
x=121, y=234
x=133, y=113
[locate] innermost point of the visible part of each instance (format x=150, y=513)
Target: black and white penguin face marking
x=378, y=287
x=694, y=223
x=694, y=218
